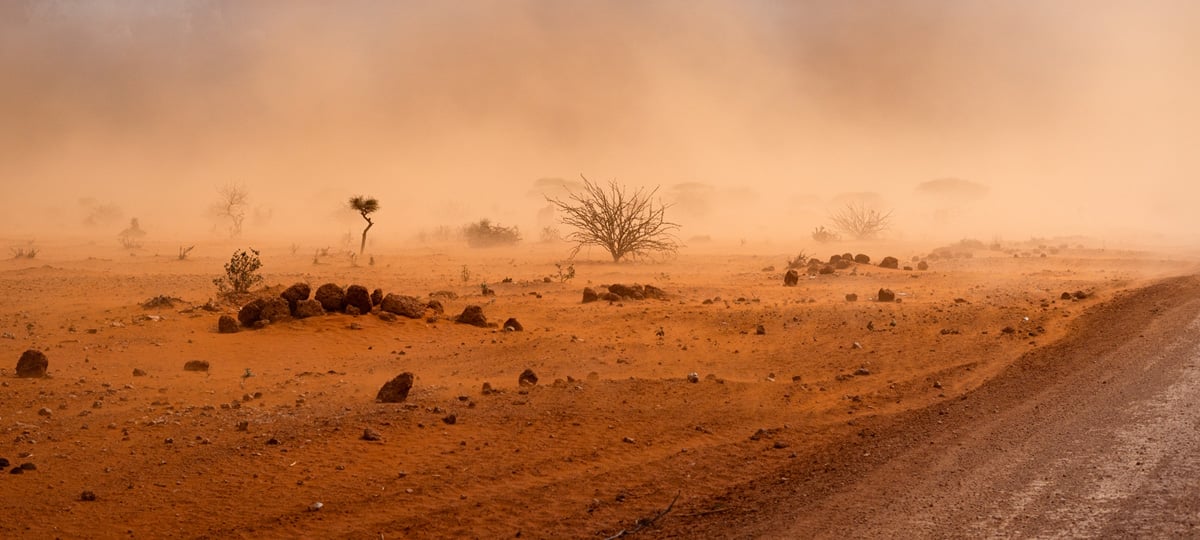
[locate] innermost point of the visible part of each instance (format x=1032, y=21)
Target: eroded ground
x=612, y=433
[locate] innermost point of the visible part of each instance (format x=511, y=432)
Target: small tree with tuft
x=364, y=206
x=624, y=224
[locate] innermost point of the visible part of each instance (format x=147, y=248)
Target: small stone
x=628, y=440
x=851, y=297
x=512, y=325
x=87, y=496
x=450, y=419
x=396, y=390
x=315, y=507
x=487, y=388
x=862, y=371
x=28, y=466
x=371, y=435
x=226, y=324
x=33, y=363
x=44, y=411
x=937, y=384
x=791, y=278
x=693, y=377
x=138, y=372
x=886, y=295
x=16, y=470
x=589, y=295
x=472, y=315
x=527, y=378
x=196, y=365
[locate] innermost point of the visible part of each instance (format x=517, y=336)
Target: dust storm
x=755, y=119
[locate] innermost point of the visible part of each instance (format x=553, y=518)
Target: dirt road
x=1095, y=436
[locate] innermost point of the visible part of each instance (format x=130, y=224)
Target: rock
x=435, y=306
x=760, y=330
x=527, y=378
x=886, y=295
x=589, y=295
x=16, y=470
x=371, y=435
x=353, y=311
x=833, y=259
x=843, y=264
x=1008, y=330
x=331, y=296
x=295, y=294
x=275, y=310
x=1065, y=296
x=472, y=315
x=826, y=270
x=376, y=297
x=309, y=308
x=87, y=496
x=862, y=371
x=251, y=312
x=395, y=390
x=4, y=463
x=512, y=325
x=388, y=317
x=908, y=269
x=450, y=419
x=610, y=297
x=138, y=372
x=650, y=291
x=851, y=297
x=316, y=507
x=922, y=266
x=862, y=258
x=196, y=365
x=1080, y=295
x=487, y=389
x=359, y=297
x=633, y=292
x=791, y=278
x=407, y=306
x=33, y=363
x=45, y=411
x=890, y=262
x=693, y=377
x=227, y=325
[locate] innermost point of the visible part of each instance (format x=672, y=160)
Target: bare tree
x=364, y=206
x=624, y=224
x=232, y=201
x=858, y=220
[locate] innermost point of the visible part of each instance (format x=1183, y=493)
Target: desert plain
x=733, y=407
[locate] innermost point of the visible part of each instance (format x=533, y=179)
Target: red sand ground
x=612, y=433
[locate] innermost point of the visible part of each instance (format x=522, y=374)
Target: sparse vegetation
x=564, y=273
x=823, y=235
x=800, y=261
x=550, y=234
x=365, y=206
x=231, y=204
x=484, y=233
x=25, y=253
x=465, y=274
x=624, y=224
x=131, y=237
x=241, y=273
x=860, y=221
x=184, y=251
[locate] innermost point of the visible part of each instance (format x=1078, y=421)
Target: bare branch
x=860, y=221
x=624, y=224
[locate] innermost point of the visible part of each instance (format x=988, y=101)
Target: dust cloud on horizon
x=755, y=117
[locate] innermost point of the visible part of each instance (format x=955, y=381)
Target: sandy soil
x=612, y=434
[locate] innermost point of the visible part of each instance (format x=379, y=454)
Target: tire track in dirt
x=1087, y=437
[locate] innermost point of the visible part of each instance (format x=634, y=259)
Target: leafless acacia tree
x=858, y=220
x=624, y=224
x=232, y=201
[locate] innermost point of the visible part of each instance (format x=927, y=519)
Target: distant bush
x=484, y=233
x=823, y=235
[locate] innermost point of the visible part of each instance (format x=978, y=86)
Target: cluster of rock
x=618, y=292
x=837, y=262
x=295, y=303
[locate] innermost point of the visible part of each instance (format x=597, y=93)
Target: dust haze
x=754, y=117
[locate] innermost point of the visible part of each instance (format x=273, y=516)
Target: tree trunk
x=363, y=247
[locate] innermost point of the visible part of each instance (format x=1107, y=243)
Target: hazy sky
x=1080, y=116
